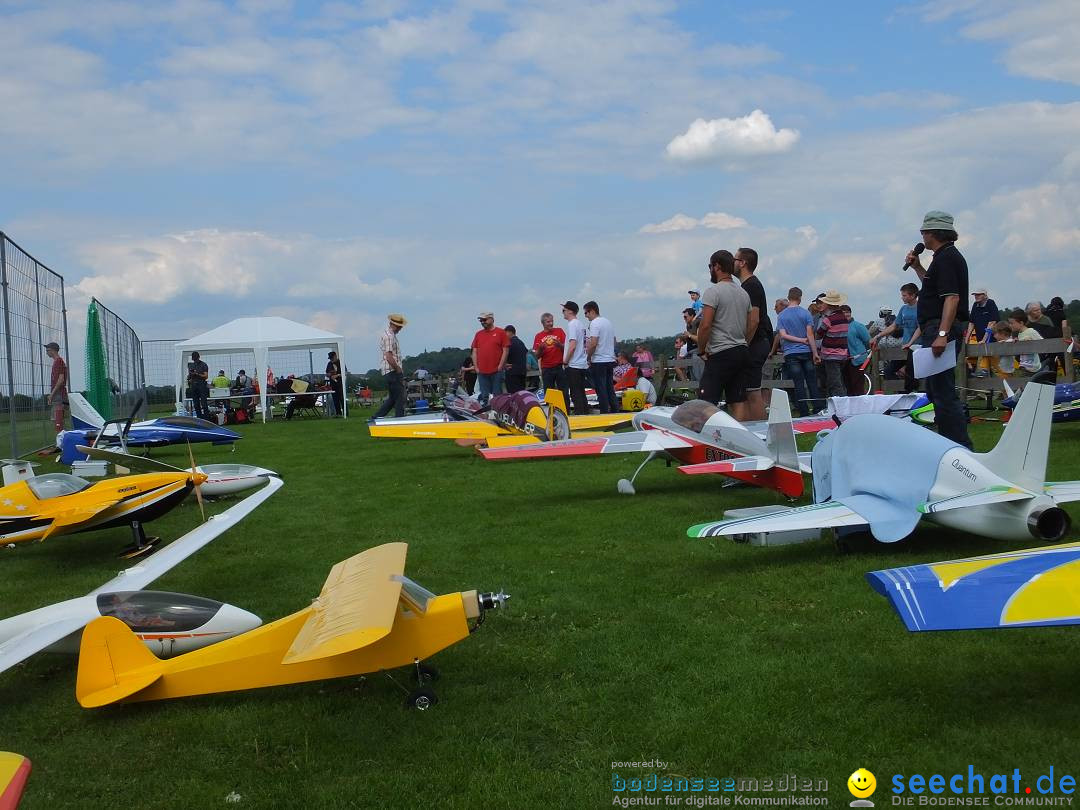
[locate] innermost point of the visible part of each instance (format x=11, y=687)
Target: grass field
x=624, y=641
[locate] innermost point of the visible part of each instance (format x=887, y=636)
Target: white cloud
x=679, y=222
x=848, y=272
x=720, y=221
x=717, y=221
x=727, y=138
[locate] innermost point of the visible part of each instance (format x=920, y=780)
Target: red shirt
x=489, y=345
x=547, y=345
x=58, y=369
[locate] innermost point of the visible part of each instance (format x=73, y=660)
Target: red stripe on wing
x=572, y=447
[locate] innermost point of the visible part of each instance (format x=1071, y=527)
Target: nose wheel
x=140, y=543
x=422, y=697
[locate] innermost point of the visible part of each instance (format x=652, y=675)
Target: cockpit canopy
x=55, y=485
x=158, y=611
x=694, y=414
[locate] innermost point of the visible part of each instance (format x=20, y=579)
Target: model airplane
x=168, y=624
x=369, y=617
x=14, y=771
x=1066, y=400
x=91, y=428
x=887, y=474
x=510, y=418
x=1030, y=588
x=42, y=506
x=704, y=439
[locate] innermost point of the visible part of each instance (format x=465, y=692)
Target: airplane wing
x=814, y=516
x=976, y=497
x=1029, y=588
x=76, y=515
x=599, y=421
x=746, y=464
x=14, y=771
x=1063, y=491
x=60, y=620
x=461, y=429
x=356, y=607
x=802, y=424
x=637, y=441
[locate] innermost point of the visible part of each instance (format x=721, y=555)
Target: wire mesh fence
x=33, y=314
x=125, y=379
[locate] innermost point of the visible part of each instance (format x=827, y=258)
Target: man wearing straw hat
x=943, y=316
x=390, y=366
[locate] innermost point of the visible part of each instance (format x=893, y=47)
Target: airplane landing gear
x=140, y=543
x=627, y=487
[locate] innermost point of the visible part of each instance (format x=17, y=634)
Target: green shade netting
x=97, y=376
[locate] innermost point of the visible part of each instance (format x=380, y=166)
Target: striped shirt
x=388, y=342
x=833, y=333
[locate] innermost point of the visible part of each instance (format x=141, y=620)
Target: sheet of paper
x=926, y=365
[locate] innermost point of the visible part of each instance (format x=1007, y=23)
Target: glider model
x=1031, y=588
x=57, y=503
x=509, y=419
x=704, y=439
x=886, y=474
x=14, y=771
x=1066, y=400
x=150, y=433
x=167, y=623
x=368, y=618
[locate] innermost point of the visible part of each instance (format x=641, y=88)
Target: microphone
x=917, y=250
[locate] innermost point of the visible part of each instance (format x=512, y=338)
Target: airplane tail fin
x=554, y=397
x=83, y=415
x=113, y=664
x=1020, y=454
x=781, y=435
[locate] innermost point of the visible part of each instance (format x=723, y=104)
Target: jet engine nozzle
x=1049, y=524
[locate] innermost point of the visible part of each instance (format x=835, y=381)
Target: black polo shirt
x=756, y=292
x=946, y=275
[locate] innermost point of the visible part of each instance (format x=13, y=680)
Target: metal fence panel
x=124, y=363
x=33, y=314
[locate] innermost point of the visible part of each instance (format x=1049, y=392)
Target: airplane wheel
x=130, y=552
x=422, y=699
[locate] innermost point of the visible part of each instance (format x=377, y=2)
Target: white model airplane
x=169, y=624
x=704, y=439
x=887, y=474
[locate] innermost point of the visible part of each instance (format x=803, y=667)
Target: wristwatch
x=942, y=334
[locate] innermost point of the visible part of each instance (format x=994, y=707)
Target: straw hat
x=397, y=319
x=834, y=299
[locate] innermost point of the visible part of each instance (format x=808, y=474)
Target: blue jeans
x=489, y=384
x=395, y=399
x=604, y=384
x=949, y=413
x=800, y=368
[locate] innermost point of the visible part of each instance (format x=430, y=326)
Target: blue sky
x=193, y=161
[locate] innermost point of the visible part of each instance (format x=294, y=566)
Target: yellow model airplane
x=41, y=506
x=517, y=418
x=368, y=618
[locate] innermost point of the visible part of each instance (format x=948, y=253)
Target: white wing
x=976, y=497
x=55, y=622
x=814, y=516
x=1063, y=491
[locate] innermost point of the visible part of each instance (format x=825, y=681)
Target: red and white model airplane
x=703, y=439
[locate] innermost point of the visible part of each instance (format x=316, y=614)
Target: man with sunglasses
x=490, y=346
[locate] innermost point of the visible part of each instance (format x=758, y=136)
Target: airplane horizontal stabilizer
x=14, y=771
x=976, y=497
x=1033, y=587
x=599, y=421
x=1063, y=491
x=747, y=464
x=113, y=664
x=357, y=605
x=814, y=516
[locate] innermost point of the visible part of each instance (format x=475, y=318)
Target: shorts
x=724, y=375
x=758, y=354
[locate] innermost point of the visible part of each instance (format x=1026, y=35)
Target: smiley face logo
x=861, y=783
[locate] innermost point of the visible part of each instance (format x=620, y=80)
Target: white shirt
x=575, y=332
x=601, y=329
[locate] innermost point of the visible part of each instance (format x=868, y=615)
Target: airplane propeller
x=196, y=483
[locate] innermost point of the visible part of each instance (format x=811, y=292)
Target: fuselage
x=714, y=436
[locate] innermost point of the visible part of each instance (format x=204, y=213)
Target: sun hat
x=834, y=299
x=397, y=319
x=937, y=221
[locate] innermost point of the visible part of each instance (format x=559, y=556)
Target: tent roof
x=269, y=332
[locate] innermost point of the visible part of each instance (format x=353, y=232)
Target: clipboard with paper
x=926, y=365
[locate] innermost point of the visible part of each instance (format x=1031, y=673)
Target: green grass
x=625, y=640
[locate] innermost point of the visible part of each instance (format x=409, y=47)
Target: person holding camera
x=198, y=386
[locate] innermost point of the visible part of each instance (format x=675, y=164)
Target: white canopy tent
x=259, y=336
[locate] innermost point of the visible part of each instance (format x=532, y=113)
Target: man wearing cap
x=57, y=385
x=490, y=346
x=391, y=368
x=726, y=320
x=984, y=314
x=333, y=376
x=575, y=359
x=695, y=302
x=943, y=315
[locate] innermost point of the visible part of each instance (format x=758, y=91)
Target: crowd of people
x=728, y=335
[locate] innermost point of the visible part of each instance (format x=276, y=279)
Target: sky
x=192, y=161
